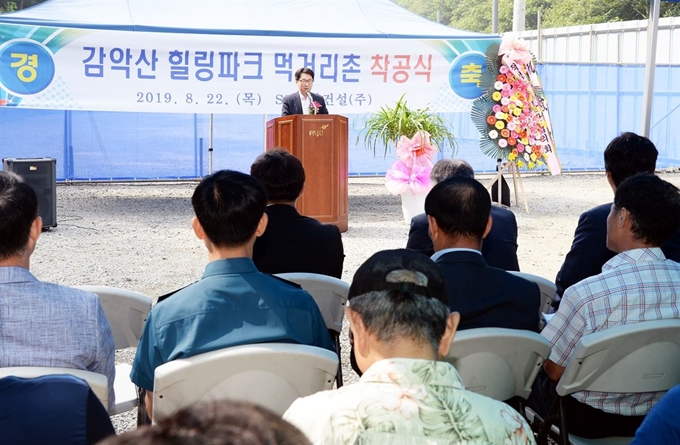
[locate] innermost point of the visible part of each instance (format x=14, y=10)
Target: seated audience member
x=233, y=304
x=292, y=242
x=458, y=214
x=52, y=409
x=216, y=423
x=44, y=324
x=499, y=248
x=625, y=156
x=400, y=327
x=662, y=424
x=638, y=284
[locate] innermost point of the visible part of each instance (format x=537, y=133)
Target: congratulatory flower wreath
x=512, y=114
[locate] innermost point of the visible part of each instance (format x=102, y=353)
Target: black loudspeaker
x=41, y=174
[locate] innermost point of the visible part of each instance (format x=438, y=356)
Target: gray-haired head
x=401, y=294
x=447, y=168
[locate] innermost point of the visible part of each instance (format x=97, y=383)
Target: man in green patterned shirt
x=400, y=326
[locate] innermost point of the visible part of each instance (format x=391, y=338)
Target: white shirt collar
x=438, y=254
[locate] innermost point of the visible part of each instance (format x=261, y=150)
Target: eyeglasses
x=306, y=81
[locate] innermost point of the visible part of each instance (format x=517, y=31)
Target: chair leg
x=338, y=378
x=521, y=407
x=548, y=422
x=142, y=417
x=564, y=433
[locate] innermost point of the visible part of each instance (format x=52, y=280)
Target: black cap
x=376, y=274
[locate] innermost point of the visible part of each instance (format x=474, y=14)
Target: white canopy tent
x=230, y=57
x=310, y=18
x=359, y=41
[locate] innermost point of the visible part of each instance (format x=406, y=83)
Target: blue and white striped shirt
x=44, y=324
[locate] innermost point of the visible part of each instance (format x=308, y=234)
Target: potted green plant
x=415, y=134
x=389, y=124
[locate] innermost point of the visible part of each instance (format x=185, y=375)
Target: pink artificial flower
x=515, y=50
x=417, y=150
x=402, y=177
x=423, y=147
x=314, y=107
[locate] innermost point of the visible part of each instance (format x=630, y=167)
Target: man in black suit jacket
x=292, y=242
x=303, y=101
x=499, y=248
x=458, y=213
x=625, y=156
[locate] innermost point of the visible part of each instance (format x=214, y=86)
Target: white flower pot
x=412, y=204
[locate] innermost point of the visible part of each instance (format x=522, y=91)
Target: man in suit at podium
x=292, y=242
x=303, y=101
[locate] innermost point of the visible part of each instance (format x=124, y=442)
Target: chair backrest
x=330, y=294
x=126, y=312
x=273, y=375
x=97, y=382
x=497, y=362
x=548, y=291
x=57, y=409
x=631, y=358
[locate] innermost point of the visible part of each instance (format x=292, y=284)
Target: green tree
x=578, y=12
x=430, y=8
x=475, y=15
x=7, y=7
x=13, y=5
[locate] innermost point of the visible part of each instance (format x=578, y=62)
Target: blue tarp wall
x=590, y=104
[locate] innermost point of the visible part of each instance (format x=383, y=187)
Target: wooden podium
x=320, y=142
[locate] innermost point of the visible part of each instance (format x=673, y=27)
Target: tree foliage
x=13, y=5
x=475, y=15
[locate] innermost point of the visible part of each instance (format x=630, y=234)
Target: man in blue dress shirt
x=44, y=324
x=233, y=304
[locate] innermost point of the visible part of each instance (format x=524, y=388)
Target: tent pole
x=494, y=17
x=519, y=12
x=648, y=94
x=210, y=149
x=539, y=36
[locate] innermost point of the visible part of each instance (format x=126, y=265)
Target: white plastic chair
x=632, y=358
x=497, y=362
x=97, y=382
x=273, y=375
x=548, y=291
x=330, y=294
x=126, y=312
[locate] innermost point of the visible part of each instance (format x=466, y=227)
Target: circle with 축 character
x=26, y=67
x=466, y=73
